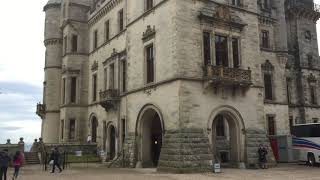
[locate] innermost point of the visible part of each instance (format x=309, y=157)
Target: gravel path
x=98, y=172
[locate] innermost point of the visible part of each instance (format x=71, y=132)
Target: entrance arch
x=94, y=126
x=226, y=135
x=150, y=130
x=111, y=142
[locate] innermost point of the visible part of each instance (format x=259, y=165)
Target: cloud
x=10, y=128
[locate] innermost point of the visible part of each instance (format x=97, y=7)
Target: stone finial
x=21, y=141
x=149, y=33
x=8, y=141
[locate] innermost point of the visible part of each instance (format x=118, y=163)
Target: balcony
x=226, y=76
x=41, y=110
x=109, y=99
x=304, y=8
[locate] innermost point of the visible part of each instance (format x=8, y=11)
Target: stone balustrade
x=109, y=98
x=228, y=76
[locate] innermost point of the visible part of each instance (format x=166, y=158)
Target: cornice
x=52, y=41
x=103, y=11
x=49, y=6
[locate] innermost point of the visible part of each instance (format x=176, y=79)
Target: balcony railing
x=229, y=76
x=303, y=4
x=109, y=98
x=41, y=110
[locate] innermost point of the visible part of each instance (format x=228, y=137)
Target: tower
x=301, y=17
x=52, y=83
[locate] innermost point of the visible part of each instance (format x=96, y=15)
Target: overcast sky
x=21, y=68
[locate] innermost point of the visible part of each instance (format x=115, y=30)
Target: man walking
x=55, y=157
x=4, y=163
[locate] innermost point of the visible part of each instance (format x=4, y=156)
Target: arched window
x=268, y=69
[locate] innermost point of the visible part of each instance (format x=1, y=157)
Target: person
x=41, y=151
x=17, y=163
x=89, y=139
x=55, y=157
x=35, y=146
x=4, y=163
x=262, y=151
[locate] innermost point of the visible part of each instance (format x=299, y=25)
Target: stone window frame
x=75, y=129
x=74, y=43
x=105, y=78
x=267, y=124
x=76, y=89
x=288, y=90
x=121, y=21
x=262, y=44
x=230, y=36
x=123, y=87
x=107, y=26
x=95, y=39
x=65, y=45
x=269, y=69
x=63, y=90
x=67, y=75
x=313, y=90
x=150, y=42
x=62, y=129
x=112, y=85
x=94, y=87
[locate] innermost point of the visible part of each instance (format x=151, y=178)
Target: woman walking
x=17, y=163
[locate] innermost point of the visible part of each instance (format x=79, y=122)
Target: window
x=124, y=76
x=95, y=39
x=310, y=60
x=221, y=51
x=62, y=129
x=271, y=126
x=65, y=43
x=123, y=130
x=265, y=39
x=266, y=4
x=149, y=4
x=121, y=22
x=206, y=48
x=107, y=30
x=315, y=120
x=268, y=87
x=105, y=78
x=104, y=135
x=73, y=93
x=63, y=90
x=220, y=126
x=235, y=52
x=94, y=89
x=313, y=95
x=236, y=2
x=150, y=63
x=289, y=90
x=74, y=43
x=72, y=129
x=112, y=77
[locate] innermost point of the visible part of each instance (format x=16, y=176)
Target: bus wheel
x=311, y=160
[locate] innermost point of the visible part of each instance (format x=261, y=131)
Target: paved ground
x=97, y=172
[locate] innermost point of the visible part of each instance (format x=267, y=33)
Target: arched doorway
x=94, y=126
x=111, y=143
x=227, y=136
x=150, y=130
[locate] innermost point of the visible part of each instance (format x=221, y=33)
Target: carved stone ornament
x=312, y=78
x=149, y=33
x=221, y=16
x=94, y=66
x=308, y=35
x=67, y=70
x=267, y=66
x=52, y=41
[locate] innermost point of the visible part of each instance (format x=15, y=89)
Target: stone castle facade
x=178, y=83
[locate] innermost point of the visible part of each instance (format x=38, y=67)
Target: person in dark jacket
x=262, y=152
x=55, y=157
x=4, y=163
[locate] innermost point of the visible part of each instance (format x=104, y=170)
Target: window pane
x=72, y=129
x=74, y=43
x=107, y=29
x=121, y=20
x=150, y=64
x=221, y=50
x=268, y=86
x=73, y=89
x=124, y=76
x=271, y=126
x=64, y=91
x=206, y=48
x=235, y=49
x=112, y=76
x=94, y=89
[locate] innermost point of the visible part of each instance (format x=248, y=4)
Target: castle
x=175, y=84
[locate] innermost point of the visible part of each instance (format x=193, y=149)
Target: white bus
x=306, y=140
